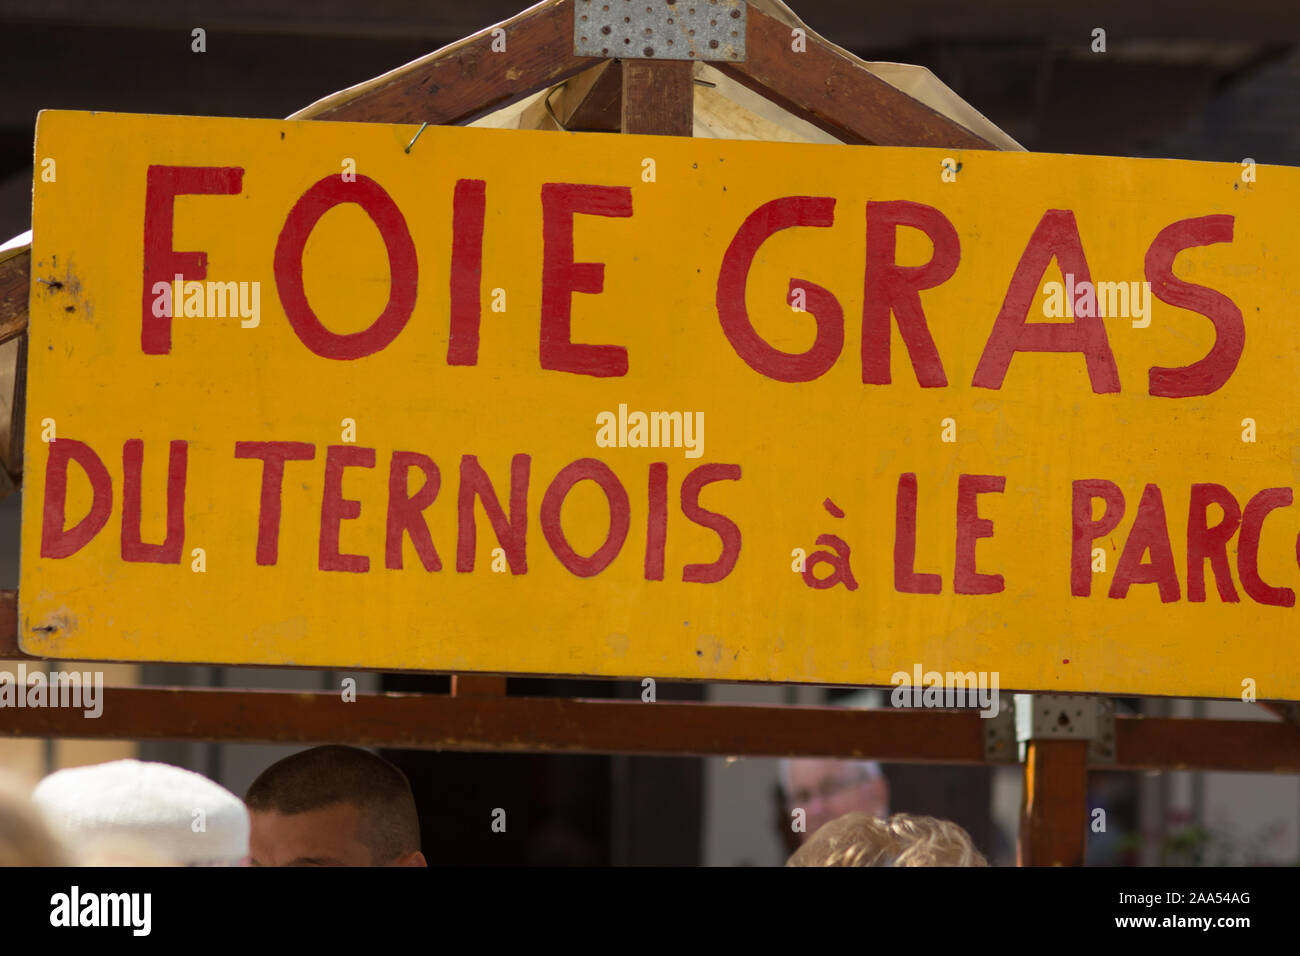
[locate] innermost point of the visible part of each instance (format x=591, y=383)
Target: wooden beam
x=593, y=100
x=1289, y=712
x=15, y=286
x=827, y=88
x=524, y=724
x=1180, y=743
x=487, y=71
x=511, y=724
x=659, y=97
x=477, y=685
x=17, y=424
x=1054, y=804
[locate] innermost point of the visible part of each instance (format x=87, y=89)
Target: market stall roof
x=725, y=109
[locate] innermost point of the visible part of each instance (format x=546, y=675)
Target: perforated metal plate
x=1065, y=716
x=660, y=29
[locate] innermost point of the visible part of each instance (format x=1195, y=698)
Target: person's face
x=827, y=789
x=324, y=837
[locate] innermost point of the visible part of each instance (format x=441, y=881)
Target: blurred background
x=1197, y=79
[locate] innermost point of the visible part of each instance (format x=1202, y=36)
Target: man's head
x=826, y=789
x=902, y=840
x=333, y=806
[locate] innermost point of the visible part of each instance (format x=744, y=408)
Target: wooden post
x=1054, y=804
x=655, y=802
x=592, y=101
x=659, y=97
x=15, y=286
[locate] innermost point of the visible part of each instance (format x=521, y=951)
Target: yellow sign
x=535, y=402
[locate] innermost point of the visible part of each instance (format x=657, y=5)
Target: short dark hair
x=325, y=776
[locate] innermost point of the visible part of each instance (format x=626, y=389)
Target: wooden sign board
x=533, y=402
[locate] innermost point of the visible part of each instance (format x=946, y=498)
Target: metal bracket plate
x=1101, y=749
x=1066, y=717
x=660, y=29
x=1000, y=732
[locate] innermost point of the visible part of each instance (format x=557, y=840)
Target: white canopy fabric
x=20, y=241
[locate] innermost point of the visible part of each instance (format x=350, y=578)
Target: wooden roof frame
x=829, y=89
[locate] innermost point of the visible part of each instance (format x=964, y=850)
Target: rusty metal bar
x=515, y=724
x=1287, y=710
x=1184, y=743
x=525, y=724
x=477, y=685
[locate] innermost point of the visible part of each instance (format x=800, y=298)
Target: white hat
x=179, y=814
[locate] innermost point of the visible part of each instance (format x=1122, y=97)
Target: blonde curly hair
x=903, y=839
